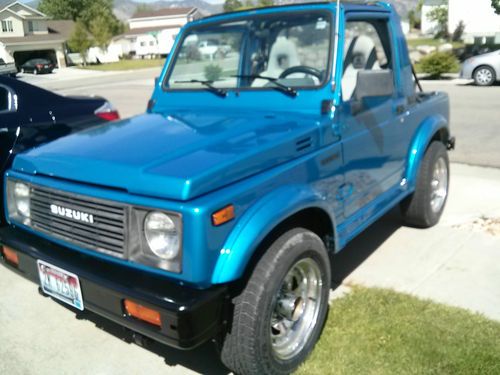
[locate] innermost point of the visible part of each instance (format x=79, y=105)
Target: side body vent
x=303, y=144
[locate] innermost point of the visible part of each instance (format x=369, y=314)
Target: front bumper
x=189, y=316
x=466, y=70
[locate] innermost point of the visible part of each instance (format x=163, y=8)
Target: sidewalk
x=456, y=263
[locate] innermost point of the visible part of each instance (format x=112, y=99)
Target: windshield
x=287, y=49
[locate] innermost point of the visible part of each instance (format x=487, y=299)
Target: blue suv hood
x=177, y=156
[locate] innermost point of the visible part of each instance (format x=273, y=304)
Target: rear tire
x=289, y=287
x=484, y=76
x=425, y=206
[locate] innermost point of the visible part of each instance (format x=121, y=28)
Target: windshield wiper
x=290, y=91
x=217, y=91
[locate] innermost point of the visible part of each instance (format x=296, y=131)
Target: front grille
x=106, y=233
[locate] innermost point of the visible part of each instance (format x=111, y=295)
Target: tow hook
x=450, y=145
x=141, y=340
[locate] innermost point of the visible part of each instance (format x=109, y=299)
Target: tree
x=80, y=41
x=96, y=16
x=143, y=8
x=61, y=9
x=459, y=32
x=496, y=5
x=265, y=3
x=440, y=16
x=99, y=28
x=415, y=15
x=413, y=19
x=232, y=5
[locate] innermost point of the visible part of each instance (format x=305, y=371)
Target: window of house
x=7, y=26
x=31, y=27
x=143, y=44
x=151, y=43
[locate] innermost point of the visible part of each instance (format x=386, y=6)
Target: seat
x=283, y=55
x=361, y=54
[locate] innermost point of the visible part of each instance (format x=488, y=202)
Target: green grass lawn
x=127, y=65
x=373, y=331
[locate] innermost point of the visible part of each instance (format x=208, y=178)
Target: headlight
x=19, y=201
x=162, y=235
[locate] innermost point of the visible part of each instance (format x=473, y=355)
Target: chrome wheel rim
x=439, y=185
x=296, y=309
x=484, y=76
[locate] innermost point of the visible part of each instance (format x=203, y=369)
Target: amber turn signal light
x=143, y=313
x=10, y=255
x=223, y=215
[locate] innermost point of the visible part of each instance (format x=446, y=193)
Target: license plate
x=60, y=284
x=46, y=66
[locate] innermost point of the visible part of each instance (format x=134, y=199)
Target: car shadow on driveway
x=363, y=246
x=204, y=359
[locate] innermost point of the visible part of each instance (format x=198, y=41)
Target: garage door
x=20, y=57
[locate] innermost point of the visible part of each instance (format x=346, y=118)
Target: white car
x=483, y=69
x=209, y=48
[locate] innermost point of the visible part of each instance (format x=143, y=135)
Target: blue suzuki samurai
x=213, y=215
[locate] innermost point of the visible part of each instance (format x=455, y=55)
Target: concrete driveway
x=475, y=121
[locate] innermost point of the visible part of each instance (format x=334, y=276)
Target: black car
x=31, y=116
x=37, y=66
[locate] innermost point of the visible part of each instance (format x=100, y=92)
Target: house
x=482, y=24
x=26, y=33
x=153, y=33
x=429, y=27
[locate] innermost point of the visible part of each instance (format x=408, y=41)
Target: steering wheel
x=302, y=69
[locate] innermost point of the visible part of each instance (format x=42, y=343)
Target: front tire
x=279, y=315
x=425, y=206
x=484, y=76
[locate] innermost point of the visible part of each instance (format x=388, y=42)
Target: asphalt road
x=475, y=121
x=475, y=111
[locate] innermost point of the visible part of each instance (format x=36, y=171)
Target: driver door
x=373, y=152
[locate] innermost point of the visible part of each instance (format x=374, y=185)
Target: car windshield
x=290, y=50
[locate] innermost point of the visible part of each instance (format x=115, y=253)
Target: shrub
x=438, y=63
x=192, y=53
x=459, y=32
x=213, y=72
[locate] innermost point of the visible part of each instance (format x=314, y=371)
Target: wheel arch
x=287, y=208
x=482, y=66
x=433, y=128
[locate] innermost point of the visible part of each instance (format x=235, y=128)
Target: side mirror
x=374, y=83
